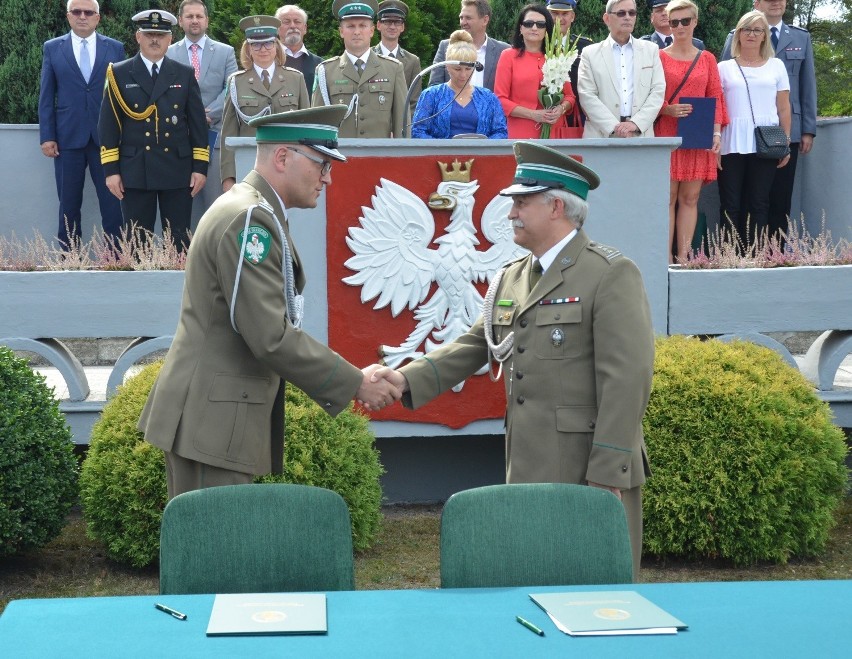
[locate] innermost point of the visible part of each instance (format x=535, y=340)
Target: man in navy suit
x=72, y=85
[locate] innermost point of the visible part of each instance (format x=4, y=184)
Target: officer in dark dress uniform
x=153, y=131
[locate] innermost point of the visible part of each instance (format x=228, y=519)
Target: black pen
x=171, y=612
x=530, y=626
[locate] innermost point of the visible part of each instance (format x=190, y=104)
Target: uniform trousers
x=140, y=207
x=70, y=169
x=184, y=475
x=745, y=182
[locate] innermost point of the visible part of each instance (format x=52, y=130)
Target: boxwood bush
x=38, y=470
x=123, y=481
x=747, y=465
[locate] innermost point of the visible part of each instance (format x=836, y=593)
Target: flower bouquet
x=558, y=59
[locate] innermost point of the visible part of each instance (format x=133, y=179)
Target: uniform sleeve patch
x=257, y=245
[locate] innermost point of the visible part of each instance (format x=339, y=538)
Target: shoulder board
x=331, y=59
x=609, y=253
x=290, y=68
x=796, y=27
x=388, y=59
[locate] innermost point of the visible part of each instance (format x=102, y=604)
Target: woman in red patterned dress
x=690, y=168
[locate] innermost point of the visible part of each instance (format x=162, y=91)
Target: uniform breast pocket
x=379, y=96
x=286, y=102
x=234, y=417
x=341, y=93
x=501, y=322
x=250, y=106
x=795, y=59
x=557, y=330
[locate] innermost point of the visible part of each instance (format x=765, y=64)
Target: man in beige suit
x=570, y=327
x=217, y=408
x=370, y=86
x=621, y=81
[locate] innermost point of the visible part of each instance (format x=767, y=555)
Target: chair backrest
x=534, y=534
x=256, y=538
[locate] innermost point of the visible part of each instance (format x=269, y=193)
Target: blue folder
x=696, y=129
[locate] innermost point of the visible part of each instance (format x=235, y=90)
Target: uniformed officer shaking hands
x=371, y=86
x=569, y=326
x=153, y=131
x=217, y=408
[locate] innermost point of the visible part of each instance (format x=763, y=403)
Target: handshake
x=381, y=386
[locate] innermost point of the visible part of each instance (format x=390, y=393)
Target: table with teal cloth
x=733, y=619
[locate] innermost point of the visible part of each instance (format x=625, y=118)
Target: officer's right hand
x=50, y=149
x=115, y=185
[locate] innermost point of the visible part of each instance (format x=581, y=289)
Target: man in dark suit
x=792, y=46
x=391, y=24
x=473, y=18
x=217, y=407
x=72, y=83
x=153, y=130
x=294, y=27
x=570, y=327
x=662, y=34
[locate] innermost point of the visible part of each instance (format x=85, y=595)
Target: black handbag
x=771, y=142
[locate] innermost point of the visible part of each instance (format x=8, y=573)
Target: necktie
x=85, y=61
x=668, y=40
x=265, y=78
x=195, y=63
x=774, y=38
x=154, y=72
x=359, y=66
x=535, y=273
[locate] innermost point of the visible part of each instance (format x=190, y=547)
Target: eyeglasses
x=621, y=13
x=531, y=24
x=392, y=22
x=263, y=45
x=674, y=22
x=88, y=13
x=753, y=31
x=326, y=164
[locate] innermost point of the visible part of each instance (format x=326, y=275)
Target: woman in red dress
x=690, y=168
x=519, y=77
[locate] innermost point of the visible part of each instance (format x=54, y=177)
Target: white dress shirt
x=91, y=46
x=478, y=77
x=201, y=43
x=622, y=59
x=149, y=63
x=389, y=53
x=550, y=255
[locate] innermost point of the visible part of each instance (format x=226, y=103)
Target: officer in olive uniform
x=217, y=407
x=153, y=131
x=391, y=24
x=371, y=86
x=265, y=87
x=574, y=343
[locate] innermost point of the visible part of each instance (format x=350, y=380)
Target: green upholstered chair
x=534, y=534
x=256, y=538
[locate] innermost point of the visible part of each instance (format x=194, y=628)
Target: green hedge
x=38, y=470
x=747, y=465
x=123, y=482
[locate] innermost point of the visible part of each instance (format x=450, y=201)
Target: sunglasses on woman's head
x=539, y=24
x=674, y=22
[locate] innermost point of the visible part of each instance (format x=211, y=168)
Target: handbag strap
x=750, y=107
x=685, y=77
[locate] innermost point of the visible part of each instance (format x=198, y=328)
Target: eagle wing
x=498, y=230
x=392, y=259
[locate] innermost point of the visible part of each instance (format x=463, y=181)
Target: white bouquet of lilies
x=558, y=59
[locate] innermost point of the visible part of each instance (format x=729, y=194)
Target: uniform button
x=167, y=120
x=519, y=375
x=166, y=149
x=135, y=105
x=523, y=323
x=245, y=395
x=522, y=349
x=147, y=134
x=167, y=134
x=148, y=120
x=176, y=107
x=624, y=468
x=521, y=400
x=591, y=425
x=556, y=316
x=147, y=148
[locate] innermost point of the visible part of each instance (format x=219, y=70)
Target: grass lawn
x=405, y=556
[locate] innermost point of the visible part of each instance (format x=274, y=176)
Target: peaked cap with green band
x=541, y=168
x=354, y=9
x=260, y=28
x=313, y=127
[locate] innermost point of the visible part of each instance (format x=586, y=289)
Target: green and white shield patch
x=257, y=245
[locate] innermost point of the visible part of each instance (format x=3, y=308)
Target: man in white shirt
x=621, y=80
x=473, y=18
x=294, y=27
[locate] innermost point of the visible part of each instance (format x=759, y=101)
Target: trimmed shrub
x=747, y=465
x=38, y=470
x=123, y=482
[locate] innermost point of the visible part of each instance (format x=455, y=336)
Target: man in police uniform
x=217, y=407
x=574, y=341
x=391, y=24
x=153, y=131
x=371, y=86
x=792, y=46
x=662, y=34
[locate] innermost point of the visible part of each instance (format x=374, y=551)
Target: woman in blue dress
x=456, y=107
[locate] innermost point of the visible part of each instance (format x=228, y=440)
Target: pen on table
x=530, y=626
x=170, y=611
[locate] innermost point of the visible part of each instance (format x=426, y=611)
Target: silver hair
x=611, y=3
x=288, y=8
x=94, y=2
x=575, y=209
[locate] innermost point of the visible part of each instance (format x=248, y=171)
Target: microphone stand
x=406, y=132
